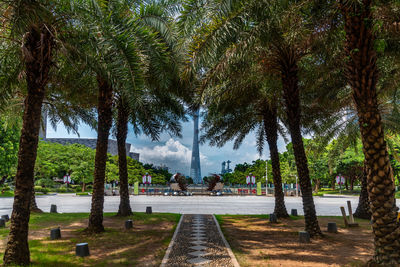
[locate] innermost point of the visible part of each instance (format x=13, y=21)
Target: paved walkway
x=198, y=241
x=188, y=205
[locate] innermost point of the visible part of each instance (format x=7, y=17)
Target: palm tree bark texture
x=289, y=74
x=33, y=205
x=122, y=132
x=37, y=49
x=363, y=210
x=271, y=131
x=105, y=102
x=362, y=75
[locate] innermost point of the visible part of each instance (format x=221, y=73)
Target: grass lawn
x=144, y=245
x=322, y=191
x=7, y=194
x=256, y=242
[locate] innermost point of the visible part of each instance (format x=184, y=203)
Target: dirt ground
x=256, y=242
x=144, y=245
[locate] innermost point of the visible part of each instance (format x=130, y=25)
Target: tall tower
x=195, y=171
x=43, y=125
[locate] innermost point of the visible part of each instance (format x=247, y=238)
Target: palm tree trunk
x=363, y=210
x=362, y=75
x=292, y=101
x=37, y=50
x=104, y=110
x=33, y=205
x=271, y=131
x=122, y=132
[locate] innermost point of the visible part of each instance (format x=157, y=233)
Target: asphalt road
x=188, y=205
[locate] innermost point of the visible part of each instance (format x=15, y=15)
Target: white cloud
x=172, y=153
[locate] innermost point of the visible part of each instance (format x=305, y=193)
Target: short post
x=128, y=224
x=82, y=250
x=149, y=210
x=2, y=223
x=293, y=212
x=5, y=217
x=272, y=218
x=53, y=208
x=351, y=218
x=304, y=237
x=346, y=223
x=55, y=233
x=332, y=227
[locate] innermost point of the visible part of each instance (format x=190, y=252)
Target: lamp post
x=266, y=177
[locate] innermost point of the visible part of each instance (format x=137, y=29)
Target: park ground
x=144, y=245
x=254, y=240
x=257, y=242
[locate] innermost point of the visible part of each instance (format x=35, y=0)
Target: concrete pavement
x=325, y=206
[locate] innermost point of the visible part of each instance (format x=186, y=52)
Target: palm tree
x=130, y=59
x=231, y=116
x=285, y=33
x=362, y=76
x=32, y=24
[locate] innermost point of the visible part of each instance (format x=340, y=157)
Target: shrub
x=5, y=188
x=45, y=182
x=41, y=189
x=78, y=188
x=62, y=190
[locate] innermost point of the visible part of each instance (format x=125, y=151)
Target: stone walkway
x=199, y=242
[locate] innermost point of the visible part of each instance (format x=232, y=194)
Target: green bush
x=5, y=188
x=46, y=182
x=41, y=189
x=62, y=190
x=78, y=188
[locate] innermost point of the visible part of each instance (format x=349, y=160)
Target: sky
x=175, y=152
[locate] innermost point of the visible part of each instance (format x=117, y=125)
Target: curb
x=169, y=249
x=228, y=247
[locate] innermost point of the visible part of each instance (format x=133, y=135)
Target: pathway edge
x=228, y=247
x=169, y=249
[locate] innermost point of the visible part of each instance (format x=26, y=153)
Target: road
x=187, y=205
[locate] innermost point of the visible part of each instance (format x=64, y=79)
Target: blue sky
x=176, y=152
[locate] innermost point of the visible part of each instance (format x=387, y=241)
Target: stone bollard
x=304, y=237
x=332, y=227
x=82, y=250
x=128, y=224
x=5, y=217
x=293, y=212
x=53, y=208
x=272, y=218
x=55, y=233
x=149, y=210
x=2, y=223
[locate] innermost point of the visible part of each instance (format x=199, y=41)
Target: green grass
x=126, y=247
x=82, y=194
x=7, y=194
x=337, y=191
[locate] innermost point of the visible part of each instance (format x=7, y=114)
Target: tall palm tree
x=124, y=51
x=285, y=33
x=362, y=76
x=232, y=116
x=31, y=23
